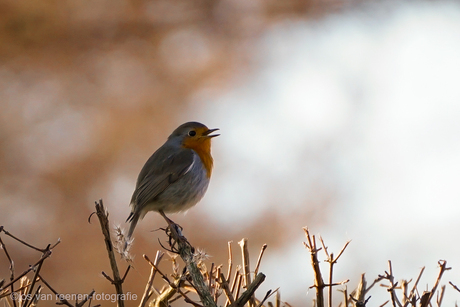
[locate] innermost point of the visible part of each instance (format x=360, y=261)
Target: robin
x=176, y=176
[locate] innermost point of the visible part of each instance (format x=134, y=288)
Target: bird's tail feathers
x=130, y=217
x=133, y=219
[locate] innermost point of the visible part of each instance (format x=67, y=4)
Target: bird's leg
x=174, y=232
x=171, y=223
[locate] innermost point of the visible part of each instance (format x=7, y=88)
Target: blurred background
x=342, y=116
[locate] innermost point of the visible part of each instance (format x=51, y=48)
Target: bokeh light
x=336, y=115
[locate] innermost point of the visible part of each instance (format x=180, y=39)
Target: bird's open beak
x=209, y=135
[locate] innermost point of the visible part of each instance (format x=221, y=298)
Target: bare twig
x=360, y=303
x=11, y=268
x=246, y=267
x=319, y=283
x=378, y=279
x=230, y=261
x=210, y=277
x=404, y=287
x=266, y=297
x=442, y=268
x=174, y=287
x=224, y=285
x=21, y=241
x=440, y=295
x=246, y=295
x=148, y=287
x=31, y=268
x=411, y=297
x=389, y=276
x=36, y=296
x=233, y=286
x=332, y=261
x=256, y=270
x=163, y=299
x=455, y=287
x=103, y=217
x=60, y=297
x=345, y=296
x=28, y=296
x=238, y=285
x=361, y=289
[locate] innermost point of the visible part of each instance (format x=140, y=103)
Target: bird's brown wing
x=160, y=170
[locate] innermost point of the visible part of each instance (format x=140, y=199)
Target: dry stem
x=117, y=281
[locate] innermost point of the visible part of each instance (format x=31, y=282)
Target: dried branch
x=60, y=297
x=266, y=297
x=11, y=267
x=246, y=267
x=29, y=297
x=319, y=283
x=245, y=259
x=442, y=269
x=359, y=303
x=361, y=289
x=412, y=299
x=21, y=241
x=332, y=261
x=256, y=270
x=209, y=275
x=455, y=287
x=345, y=296
x=174, y=287
x=246, y=295
x=148, y=287
x=389, y=276
x=440, y=296
x=186, y=252
x=31, y=268
x=238, y=285
x=163, y=299
x=278, y=299
x=224, y=285
x=103, y=217
x=404, y=287
x=230, y=261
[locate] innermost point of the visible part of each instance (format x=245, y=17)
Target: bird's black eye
x=192, y=133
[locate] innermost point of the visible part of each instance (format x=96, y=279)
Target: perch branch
x=186, y=252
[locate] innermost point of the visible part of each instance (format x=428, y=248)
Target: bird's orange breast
x=203, y=149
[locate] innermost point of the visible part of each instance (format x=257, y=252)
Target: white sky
x=378, y=87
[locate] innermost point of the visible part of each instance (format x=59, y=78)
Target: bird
x=176, y=176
